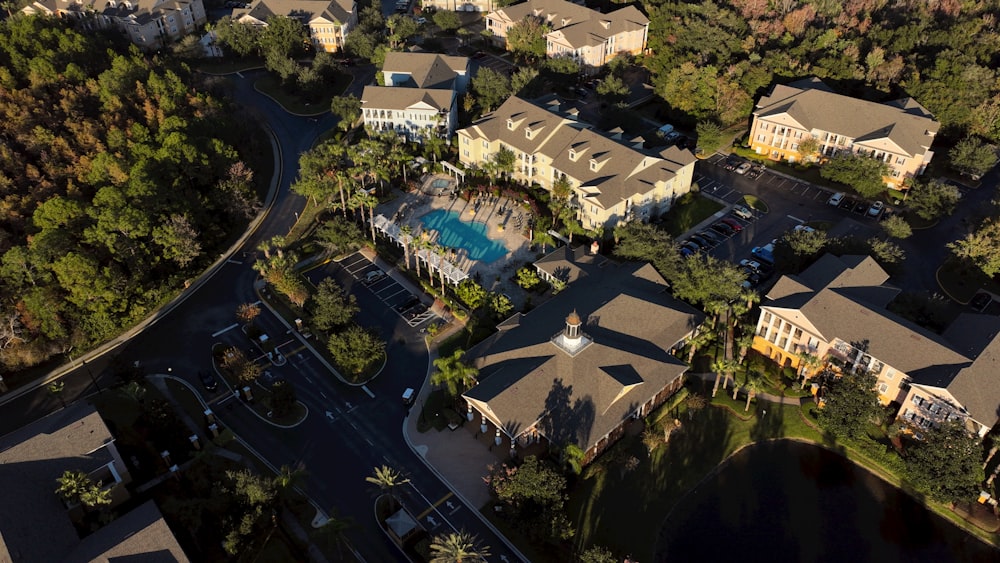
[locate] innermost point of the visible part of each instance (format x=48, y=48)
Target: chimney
x=595, y=247
x=573, y=323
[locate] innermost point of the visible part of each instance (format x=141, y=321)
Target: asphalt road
x=349, y=430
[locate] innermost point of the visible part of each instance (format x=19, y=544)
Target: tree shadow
x=565, y=419
x=770, y=422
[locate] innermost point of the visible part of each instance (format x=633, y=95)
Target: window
x=891, y=373
x=593, y=164
x=762, y=138
x=466, y=153
x=773, y=337
x=783, y=343
x=486, y=144
x=882, y=388
x=786, y=329
x=918, y=400
x=798, y=334
x=510, y=124
x=465, y=140
x=900, y=160
x=767, y=318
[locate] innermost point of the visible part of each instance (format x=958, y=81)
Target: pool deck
x=408, y=208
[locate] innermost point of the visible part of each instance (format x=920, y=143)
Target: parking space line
x=386, y=299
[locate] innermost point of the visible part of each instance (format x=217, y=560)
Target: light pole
x=91, y=374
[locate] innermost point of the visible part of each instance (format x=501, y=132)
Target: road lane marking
x=794, y=218
x=434, y=506
x=370, y=394
x=231, y=261
x=228, y=328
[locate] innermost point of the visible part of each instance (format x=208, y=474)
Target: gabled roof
x=632, y=322
x=845, y=298
x=568, y=264
x=387, y=97
x=141, y=534
x=428, y=70
x=577, y=25
x=306, y=11
x=901, y=125
x=138, y=11
x=621, y=170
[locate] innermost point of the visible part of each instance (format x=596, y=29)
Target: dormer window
x=572, y=155
x=510, y=124
x=593, y=164
x=528, y=132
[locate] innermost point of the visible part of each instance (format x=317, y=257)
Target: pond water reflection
x=787, y=501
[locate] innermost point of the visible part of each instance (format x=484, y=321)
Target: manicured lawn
x=682, y=217
x=270, y=85
x=962, y=282
x=227, y=66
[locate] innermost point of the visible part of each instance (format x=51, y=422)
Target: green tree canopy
x=863, y=174
x=447, y=20
x=973, y=157
x=491, y=88
x=347, y=110
x=709, y=136
x=981, y=248
x=850, y=405
x=947, y=464
x=931, y=199
x=330, y=307
x=613, y=89
x=355, y=350
x=526, y=38
x=454, y=374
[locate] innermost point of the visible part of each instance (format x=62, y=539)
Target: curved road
x=349, y=430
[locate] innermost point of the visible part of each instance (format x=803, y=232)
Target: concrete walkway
x=797, y=401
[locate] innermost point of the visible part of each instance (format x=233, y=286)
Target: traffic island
x=269, y=397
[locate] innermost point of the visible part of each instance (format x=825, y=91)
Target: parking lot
x=389, y=291
x=485, y=60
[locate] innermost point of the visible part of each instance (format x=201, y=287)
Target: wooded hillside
x=115, y=186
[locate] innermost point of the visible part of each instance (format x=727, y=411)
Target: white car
x=805, y=228
x=421, y=21
x=835, y=199
x=752, y=264
x=743, y=168
x=876, y=209
x=742, y=212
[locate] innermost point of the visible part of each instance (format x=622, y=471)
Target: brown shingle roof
x=387, y=97
x=632, y=322
x=302, y=10
x=429, y=70
x=140, y=534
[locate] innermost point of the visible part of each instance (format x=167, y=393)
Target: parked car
x=732, y=223
x=421, y=21
x=753, y=265
x=701, y=241
x=980, y=301
x=373, y=277
x=208, y=381
x=835, y=199
x=711, y=235
x=876, y=208
x=686, y=251
x=743, y=168
x=742, y=212
x=691, y=247
x=402, y=307
x=764, y=253
x=479, y=55
x=723, y=229
x=408, y=396
x=805, y=228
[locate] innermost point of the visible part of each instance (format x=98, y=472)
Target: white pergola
x=431, y=259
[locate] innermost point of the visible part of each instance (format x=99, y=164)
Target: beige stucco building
x=898, y=133
x=328, y=21
x=611, y=181
x=150, y=24
x=460, y=5
x=835, y=310
x=587, y=36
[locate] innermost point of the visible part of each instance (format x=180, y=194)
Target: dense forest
x=116, y=185
x=712, y=59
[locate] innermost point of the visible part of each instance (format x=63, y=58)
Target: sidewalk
x=796, y=401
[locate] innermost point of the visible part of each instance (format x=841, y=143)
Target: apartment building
x=150, y=24
x=460, y=5
x=587, y=36
x=611, y=181
x=328, y=21
x=836, y=310
x=899, y=133
x=420, y=96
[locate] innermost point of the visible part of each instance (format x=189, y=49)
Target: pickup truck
x=764, y=253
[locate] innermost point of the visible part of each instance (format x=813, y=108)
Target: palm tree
x=700, y=339
x=545, y=239
x=405, y=237
x=433, y=145
x=752, y=385
x=440, y=251
x=730, y=372
x=363, y=199
x=56, y=388
x=718, y=367
x=750, y=296
x=455, y=375
x=744, y=341
x=457, y=547
x=335, y=528
x=387, y=479
x=809, y=362
x=572, y=457
x=72, y=485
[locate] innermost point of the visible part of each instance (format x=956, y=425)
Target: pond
x=787, y=501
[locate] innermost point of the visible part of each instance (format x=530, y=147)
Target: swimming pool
x=440, y=183
x=455, y=233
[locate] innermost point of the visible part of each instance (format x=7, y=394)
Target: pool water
x=455, y=233
x=440, y=183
